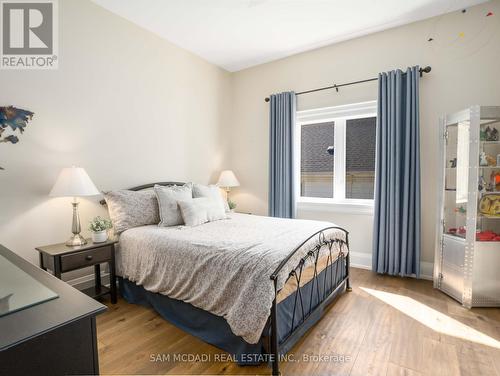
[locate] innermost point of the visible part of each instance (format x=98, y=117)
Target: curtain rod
x=427, y=69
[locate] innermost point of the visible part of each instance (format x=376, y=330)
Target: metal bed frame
x=325, y=296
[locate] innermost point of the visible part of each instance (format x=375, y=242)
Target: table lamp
x=74, y=182
x=227, y=179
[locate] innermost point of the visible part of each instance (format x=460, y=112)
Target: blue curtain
x=281, y=130
x=396, y=235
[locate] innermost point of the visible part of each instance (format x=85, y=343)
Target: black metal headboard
x=146, y=186
x=151, y=185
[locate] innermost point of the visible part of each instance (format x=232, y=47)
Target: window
x=316, y=162
x=337, y=154
x=360, y=157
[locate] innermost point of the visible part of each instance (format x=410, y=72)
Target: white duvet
x=223, y=267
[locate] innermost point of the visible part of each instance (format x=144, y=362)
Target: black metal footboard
x=323, y=293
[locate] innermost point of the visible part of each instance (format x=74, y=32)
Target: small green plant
x=232, y=204
x=100, y=224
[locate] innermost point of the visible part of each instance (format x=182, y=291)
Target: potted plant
x=232, y=205
x=99, y=228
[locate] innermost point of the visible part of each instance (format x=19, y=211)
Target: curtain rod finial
x=267, y=99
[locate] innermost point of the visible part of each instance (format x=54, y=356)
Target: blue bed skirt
x=216, y=331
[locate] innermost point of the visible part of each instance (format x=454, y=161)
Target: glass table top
x=18, y=290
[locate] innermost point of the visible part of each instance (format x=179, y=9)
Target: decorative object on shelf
x=460, y=209
x=494, y=135
x=15, y=119
x=482, y=159
x=490, y=134
x=99, y=228
x=453, y=163
x=227, y=180
x=74, y=182
x=490, y=205
x=487, y=236
x=483, y=185
x=495, y=180
x=491, y=160
x=462, y=230
x=486, y=160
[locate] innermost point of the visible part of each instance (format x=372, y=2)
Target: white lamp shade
x=73, y=182
x=228, y=179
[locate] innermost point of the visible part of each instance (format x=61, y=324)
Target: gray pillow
x=194, y=211
x=170, y=214
x=200, y=210
x=129, y=209
x=210, y=191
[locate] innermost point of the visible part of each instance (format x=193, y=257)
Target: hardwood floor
x=385, y=326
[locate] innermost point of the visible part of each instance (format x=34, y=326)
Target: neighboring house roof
x=316, y=138
x=360, y=146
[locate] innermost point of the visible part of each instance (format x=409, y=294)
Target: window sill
x=363, y=207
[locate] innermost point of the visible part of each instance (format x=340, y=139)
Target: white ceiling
x=237, y=34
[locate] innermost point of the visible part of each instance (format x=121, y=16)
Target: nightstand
x=60, y=258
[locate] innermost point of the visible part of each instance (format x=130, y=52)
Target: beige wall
x=124, y=104
x=465, y=71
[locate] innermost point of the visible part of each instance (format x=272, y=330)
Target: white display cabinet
x=467, y=260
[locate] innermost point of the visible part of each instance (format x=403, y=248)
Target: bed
x=249, y=285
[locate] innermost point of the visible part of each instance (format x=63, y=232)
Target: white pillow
x=210, y=191
x=168, y=196
x=200, y=210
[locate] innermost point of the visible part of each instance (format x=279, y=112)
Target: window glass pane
x=316, y=162
x=360, y=158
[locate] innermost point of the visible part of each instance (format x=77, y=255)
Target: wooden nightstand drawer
x=85, y=258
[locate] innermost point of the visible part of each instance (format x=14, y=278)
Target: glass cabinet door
x=456, y=179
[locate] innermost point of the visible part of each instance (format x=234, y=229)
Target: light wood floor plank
x=440, y=358
x=474, y=359
x=395, y=370
x=375, y=350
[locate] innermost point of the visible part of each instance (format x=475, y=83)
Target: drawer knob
x=88, y=257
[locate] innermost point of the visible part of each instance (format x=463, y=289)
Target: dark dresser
x=54, y=337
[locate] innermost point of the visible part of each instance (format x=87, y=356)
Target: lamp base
x=76, y=240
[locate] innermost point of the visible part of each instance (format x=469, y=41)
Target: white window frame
x=339, y=115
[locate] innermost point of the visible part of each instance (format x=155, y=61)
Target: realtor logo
x=29, y=34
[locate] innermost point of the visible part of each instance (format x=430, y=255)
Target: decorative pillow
x=168, y=196
x=211, y=191
x=194, y=212
x=200, y=210
x=129, y=209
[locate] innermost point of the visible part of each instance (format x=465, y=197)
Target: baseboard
x=426, y=270
x=363, y=260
